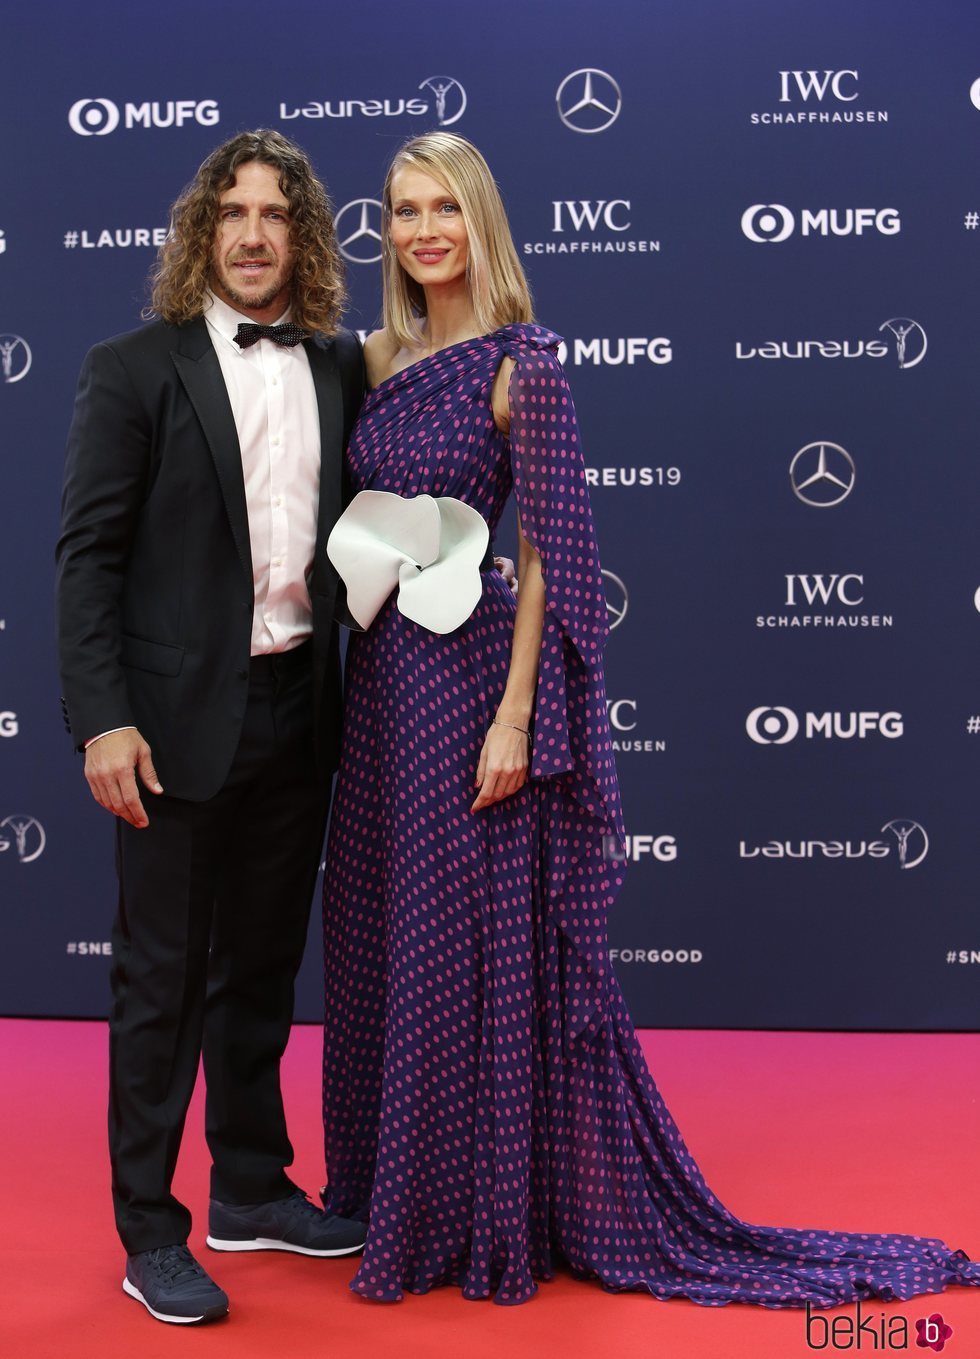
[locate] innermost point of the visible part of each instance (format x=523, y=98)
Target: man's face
x=252, y=258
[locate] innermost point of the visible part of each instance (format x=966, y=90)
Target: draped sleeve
x=582, y=838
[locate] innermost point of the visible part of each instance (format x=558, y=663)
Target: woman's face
x=427, y=229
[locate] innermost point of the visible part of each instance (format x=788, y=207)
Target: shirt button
x=275, y=382
x=277, y=502
x=275, y=439
x=276, y=561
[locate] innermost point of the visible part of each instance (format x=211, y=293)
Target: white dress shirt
x=274, y=404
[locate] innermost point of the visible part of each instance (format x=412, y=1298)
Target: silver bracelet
x=522, y=730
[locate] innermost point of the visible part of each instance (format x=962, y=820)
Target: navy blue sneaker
x=287, y=1224
x=172, y=1286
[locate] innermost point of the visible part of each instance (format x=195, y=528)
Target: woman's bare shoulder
x=379, y=355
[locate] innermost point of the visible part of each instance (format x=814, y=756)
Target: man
x=198, y=651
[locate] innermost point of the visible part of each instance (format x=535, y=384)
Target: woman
x=486, y=1102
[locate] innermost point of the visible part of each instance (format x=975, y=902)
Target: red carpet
x=867, y=1132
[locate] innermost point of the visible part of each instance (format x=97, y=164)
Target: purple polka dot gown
x=487, y=1107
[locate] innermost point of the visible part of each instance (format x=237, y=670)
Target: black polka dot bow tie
x=288, y=334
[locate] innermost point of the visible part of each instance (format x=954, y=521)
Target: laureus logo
x=913, y=843
x=910, y=340
x=15, y=357
x=908, y=336
x=25, y=835
x=449, y=96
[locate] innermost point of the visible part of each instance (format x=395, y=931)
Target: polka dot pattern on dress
x=486, y=1101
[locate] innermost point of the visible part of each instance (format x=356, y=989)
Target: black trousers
x=214, y=902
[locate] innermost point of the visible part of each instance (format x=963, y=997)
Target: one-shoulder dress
x=487, y=1107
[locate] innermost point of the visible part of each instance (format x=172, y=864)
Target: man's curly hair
x=182, y=273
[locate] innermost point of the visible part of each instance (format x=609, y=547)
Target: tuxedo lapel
x=199, y=370
x=330, y=406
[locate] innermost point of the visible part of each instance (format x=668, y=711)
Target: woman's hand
x=503, y=765
x=506, y=568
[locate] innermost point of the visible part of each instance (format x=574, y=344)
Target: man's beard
x=252, y=301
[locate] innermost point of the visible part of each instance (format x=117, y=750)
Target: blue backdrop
x=757, y=228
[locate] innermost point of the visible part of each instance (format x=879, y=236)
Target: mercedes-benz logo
x=911, y=837
x=15, y=357
x=910, y=340
x=93, y=117
x=450, y=98
x=26, y=834
x=588, y=100
x=822, y=474
x=362, y=242
x=617, y=599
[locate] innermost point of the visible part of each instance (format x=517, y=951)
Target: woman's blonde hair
x=498, y=287
x=182, y=274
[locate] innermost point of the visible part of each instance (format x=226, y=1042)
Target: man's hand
x=109, y=765
x=506, y=568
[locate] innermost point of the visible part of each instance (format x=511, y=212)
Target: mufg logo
x=774, y=726
x=770, y=223
x=98, y=117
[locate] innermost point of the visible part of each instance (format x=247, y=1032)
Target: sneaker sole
x=269, y=1243
x=209, y=1314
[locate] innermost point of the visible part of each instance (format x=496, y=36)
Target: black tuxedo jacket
x=155, y=590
